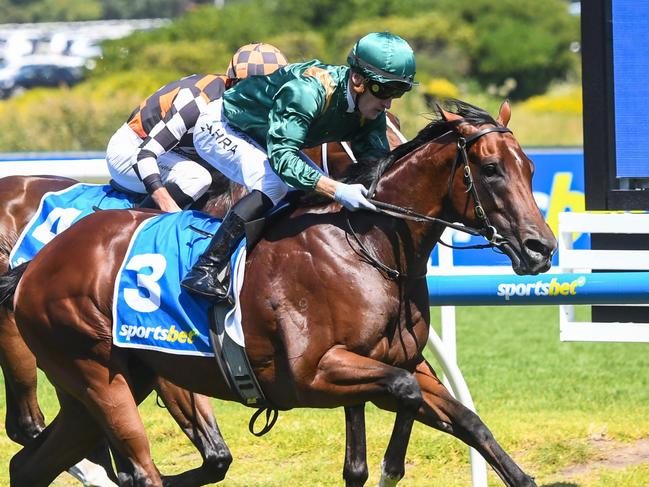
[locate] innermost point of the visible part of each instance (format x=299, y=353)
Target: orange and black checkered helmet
x=255, y=60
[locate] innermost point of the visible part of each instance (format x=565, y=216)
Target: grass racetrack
x=571, y=414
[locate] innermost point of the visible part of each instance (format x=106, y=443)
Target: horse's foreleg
x=441, y=411
x=65, y=441
x=393, y=467
x=24, y=419
x=193, y=413
x=355, y=470
x=355, y=379
x=110, y=394
x=111, y=401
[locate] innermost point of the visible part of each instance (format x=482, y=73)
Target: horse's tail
x=9, y=283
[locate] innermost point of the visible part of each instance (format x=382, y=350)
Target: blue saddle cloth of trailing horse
x=150, y=308
x=58, y=210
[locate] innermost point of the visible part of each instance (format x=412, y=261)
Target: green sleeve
x=372, y=141
x=295, y=107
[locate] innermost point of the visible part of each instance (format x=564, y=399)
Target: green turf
x=545, y=401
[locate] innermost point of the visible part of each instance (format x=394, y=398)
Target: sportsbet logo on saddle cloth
x=150, y=309
x=60, y=209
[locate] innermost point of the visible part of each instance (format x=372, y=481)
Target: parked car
x=51, y=75
x=36, y=71
x=7, y=73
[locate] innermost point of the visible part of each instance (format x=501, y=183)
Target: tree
x=521, y=42
x=20, y=11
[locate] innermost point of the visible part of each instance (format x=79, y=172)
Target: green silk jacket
x=302, y=105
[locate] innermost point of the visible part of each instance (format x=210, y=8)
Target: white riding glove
x=353, y=197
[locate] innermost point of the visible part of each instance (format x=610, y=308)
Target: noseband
x=486, y=229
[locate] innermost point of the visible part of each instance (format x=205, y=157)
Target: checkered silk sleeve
x=169, y=116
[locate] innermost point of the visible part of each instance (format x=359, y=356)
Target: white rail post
x=566, y=244
x=448, y=321
x=454, y=376
x=445, y=351
x=586, y=260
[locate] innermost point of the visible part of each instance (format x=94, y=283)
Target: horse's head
x=491, y=186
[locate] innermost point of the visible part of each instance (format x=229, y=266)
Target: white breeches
x=192, y=178
x=236, y=155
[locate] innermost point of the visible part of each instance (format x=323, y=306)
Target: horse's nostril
x=538, y=247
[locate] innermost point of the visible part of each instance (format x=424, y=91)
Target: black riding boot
x=210, y=276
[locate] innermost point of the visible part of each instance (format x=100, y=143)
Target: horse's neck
x=419, y=181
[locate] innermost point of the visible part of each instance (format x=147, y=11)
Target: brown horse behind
x=342, y=322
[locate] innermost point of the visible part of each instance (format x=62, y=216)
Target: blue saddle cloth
x=58, y=210
x=150, y=308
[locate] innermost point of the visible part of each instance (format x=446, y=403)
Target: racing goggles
x=387, y=90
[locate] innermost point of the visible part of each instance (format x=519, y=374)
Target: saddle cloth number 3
x=145, y=280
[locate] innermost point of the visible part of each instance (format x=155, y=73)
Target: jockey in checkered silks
x=153, y=152
x=255, y=132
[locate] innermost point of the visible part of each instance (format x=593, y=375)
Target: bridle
x=486, y=229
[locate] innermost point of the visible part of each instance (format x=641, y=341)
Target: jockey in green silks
x=255, y=133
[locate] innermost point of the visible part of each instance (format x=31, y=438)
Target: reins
x=486, y=230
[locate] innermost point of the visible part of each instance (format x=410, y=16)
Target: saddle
x=137, y=197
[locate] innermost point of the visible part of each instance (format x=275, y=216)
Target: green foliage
x=524, y=41
x=141, y=9
x=439, y=45
x=71, y=10
x=488, y=50
x=207, y=37
x=49, y=10
x=513, y=48
x=235, y=25
x=185, y=57
x=81, y=118
x=331, y=15
x=300, y=46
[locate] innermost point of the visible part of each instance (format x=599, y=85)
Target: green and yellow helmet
x=384, y=58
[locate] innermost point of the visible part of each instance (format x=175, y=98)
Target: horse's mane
x=366, y=171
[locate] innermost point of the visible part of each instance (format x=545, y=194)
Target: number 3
x=133, y=297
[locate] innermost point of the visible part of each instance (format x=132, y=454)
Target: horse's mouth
x=524, y=263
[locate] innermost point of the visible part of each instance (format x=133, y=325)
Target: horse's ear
x=446, y=115
x=505, y=114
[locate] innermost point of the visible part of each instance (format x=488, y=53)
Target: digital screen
x=631, y=86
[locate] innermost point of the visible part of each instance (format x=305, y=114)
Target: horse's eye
x=489, y=170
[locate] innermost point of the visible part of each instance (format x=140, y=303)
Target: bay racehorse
x=334, y=307
x=19, y=199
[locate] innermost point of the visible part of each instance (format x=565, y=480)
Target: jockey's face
x=369, y=105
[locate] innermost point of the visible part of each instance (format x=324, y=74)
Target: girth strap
x=232, y=361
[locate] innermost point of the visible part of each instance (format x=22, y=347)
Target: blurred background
x=71, y=71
